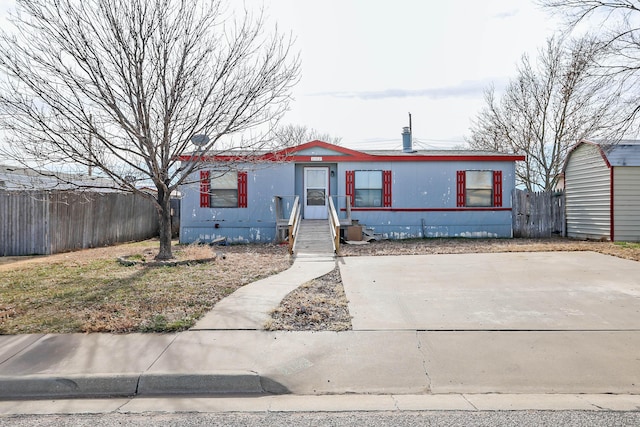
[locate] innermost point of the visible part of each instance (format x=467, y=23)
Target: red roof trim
x=348, y=155
x=360, y=158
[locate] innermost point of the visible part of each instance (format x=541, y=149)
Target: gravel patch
x=319, y=305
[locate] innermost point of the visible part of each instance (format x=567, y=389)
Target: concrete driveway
x=542, y=291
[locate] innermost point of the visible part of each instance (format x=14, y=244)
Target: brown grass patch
x=624, y=250
x=89, y=291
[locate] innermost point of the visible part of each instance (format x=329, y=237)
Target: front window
x=479, y=189
x=368, y=188
x=224, y=190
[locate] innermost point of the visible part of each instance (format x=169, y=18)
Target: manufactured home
x=602, y=192
x=397, y=194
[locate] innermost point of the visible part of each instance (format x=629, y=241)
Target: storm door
x=316, y=190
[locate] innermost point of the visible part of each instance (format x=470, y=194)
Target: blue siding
x=432, y=185
x=403, y=225
x=426, y=189
x=255, y=223
x=318, y=151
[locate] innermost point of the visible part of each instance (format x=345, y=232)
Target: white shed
x=602, y=188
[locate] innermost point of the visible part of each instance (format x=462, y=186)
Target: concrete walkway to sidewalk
x=250, y=306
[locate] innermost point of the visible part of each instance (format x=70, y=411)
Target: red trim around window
x=242, y=190
x=205, y=186
x=497, y=188
x=461, y=185
x=349, y=187
x=387, y=198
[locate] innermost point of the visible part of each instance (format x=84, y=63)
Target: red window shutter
x=461, y=185
x=204, y=189
x=349, y=186
x=242, y=189
x=497, y=188
x=386, y=188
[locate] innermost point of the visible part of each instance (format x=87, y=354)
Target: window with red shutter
x=497, y=188
x=242, y=189
x=460, y=188
x=349, y=186
x=387, y=198
x=204, y=189
x=478, y=188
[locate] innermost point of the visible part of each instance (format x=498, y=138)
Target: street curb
x=242, y=382
x=68, y=386
x=129, y=385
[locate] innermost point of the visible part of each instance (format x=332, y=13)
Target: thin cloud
x=506, y=14
x=463, y=90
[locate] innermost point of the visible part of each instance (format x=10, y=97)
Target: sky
x=367, y=64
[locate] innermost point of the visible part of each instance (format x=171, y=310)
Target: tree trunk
x=164, y=216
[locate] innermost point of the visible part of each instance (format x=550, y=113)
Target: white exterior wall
x=587, y=190
x=626, y=203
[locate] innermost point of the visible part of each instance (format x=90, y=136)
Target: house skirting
x=236, y=233
x=403, y=225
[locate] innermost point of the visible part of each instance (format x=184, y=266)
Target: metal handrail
x=334, y=221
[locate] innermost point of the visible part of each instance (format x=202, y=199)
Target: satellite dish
x=200, y=140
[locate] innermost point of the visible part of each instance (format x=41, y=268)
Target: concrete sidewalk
x=306, y=363
x=404, y=361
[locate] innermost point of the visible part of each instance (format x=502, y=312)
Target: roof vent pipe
x=407, y=145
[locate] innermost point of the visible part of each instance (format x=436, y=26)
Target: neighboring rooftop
x=622, y=153
x=19, y=178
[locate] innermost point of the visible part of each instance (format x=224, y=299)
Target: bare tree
x=124, y=87
x=549, y=106
x=617, y=25
x=292, y=135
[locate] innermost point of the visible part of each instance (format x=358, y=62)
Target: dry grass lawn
x=90, y=291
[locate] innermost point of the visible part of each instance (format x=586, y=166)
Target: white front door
x=316, y=190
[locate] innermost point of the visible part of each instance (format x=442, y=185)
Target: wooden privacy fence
x=538, y=214
x=48, y=222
